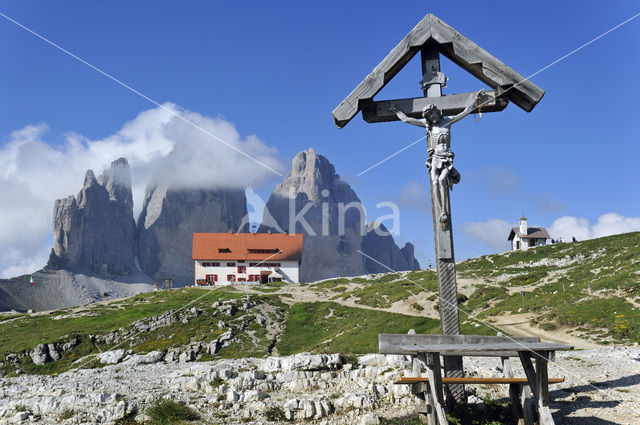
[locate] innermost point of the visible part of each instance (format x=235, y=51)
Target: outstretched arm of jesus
x=470, y=107
x=404, y=118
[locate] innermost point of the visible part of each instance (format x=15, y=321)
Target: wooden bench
x=427, y=349
x=470, y=380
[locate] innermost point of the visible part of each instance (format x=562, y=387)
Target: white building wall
x=290, y=270
x=526, y=243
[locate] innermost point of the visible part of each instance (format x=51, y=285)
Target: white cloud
x=415, y=196
x=33, y=173
x=608, y=224
x=492, y=233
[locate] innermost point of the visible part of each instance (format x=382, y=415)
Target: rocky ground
x=55, y=289
x=601, y=387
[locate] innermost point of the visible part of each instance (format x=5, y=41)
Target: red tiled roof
x=207, y=246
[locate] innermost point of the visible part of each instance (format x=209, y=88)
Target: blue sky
x=277, y=69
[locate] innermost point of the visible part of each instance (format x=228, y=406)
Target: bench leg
x=434, y=374
x=425, y=406
x=528, y=406
x=515, y=390
x=542, y=375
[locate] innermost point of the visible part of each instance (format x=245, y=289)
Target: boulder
x=111, y=357
x=54, y=352
x=40, y=354
x=149, y=358
x=370, y=419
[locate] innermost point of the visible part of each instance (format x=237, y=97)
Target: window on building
x=212, y=278
x=231, y=278
x=231, y=264
x=256, y=277
x=242, y=269
x=242, y=279
x=215, y=264
x=252, y=264
x=224, y=250
x=517, y=244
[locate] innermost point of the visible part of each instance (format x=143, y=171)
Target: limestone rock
x=95, y=230
x=370, y=419
x=313, y=200
x=408, y=251
x=40, y=354
x=149, y=358
x=378, y=244
x=169, y=218
x=111, y=357
x=311, y=186
x=54, y=352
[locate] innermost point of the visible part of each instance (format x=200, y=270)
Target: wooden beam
x=392, y=343
x=380, y=111
x=455, y=46
x=435, y=382
x=432, y=79
x=515, y=390
x=473, y=380
x=542, y=374
x=525, y=358
x=479, y=348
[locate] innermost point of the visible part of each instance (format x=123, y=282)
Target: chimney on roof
x=269, y=231
x=523, y=225
x=229, y=231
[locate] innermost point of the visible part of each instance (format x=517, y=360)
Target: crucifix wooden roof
x=455, y=46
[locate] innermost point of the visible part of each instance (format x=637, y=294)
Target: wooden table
x=429, y=348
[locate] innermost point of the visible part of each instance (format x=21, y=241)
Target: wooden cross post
x=432, y=37
x=432, y=82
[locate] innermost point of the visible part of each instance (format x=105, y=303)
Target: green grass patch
x=29, y=331
x=327, y=327
x=168, y=412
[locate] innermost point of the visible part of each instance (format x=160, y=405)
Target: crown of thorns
x=431, y=109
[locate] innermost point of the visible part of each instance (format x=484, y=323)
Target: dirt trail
x=298, y=294
x=519, y=325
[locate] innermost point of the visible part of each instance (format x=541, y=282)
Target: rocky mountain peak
x=311, y=174
x=95, y=232
x=169, y=218
x=117, y=181
x=329, y=213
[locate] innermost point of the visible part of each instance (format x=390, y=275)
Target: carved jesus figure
x=440, y=161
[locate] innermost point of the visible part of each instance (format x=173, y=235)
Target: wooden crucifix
x=437, y=112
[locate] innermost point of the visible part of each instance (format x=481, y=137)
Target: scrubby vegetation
x=590, y=287
x=167, y=412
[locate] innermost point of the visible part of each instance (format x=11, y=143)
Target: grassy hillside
x=590, y=288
